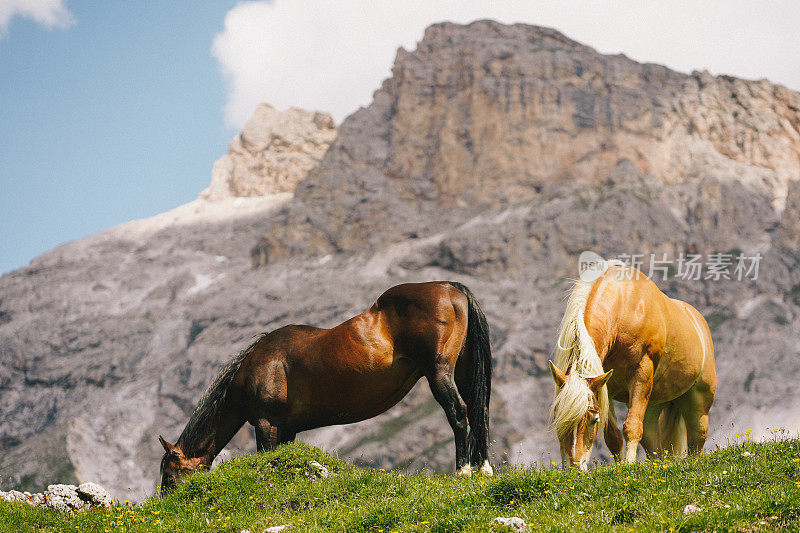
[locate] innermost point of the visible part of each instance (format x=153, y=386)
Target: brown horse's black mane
x=211, y=402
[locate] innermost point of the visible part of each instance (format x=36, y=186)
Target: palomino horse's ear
x=558, y=376
x=169, y=448
x=597, y=382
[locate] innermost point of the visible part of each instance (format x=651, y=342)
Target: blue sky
x=112, y=111
x=117, y=117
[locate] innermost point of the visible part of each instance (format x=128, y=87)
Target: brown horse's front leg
x=639, y=396
x=444, y=390
x=266, y=435
x=269, y=436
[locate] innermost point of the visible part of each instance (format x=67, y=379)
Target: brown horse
x=301, y=377
x=622, y=338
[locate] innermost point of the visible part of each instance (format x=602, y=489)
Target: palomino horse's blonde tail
x=673, y=431
x=576, y=355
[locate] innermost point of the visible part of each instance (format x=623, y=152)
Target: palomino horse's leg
x=651, y=438
x=612, y=435
x=444, y=390
x=696, y=433
x=639, y=394
x=694, y=406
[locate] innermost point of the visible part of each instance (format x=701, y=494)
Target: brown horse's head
x=576, y=414
x=175, y=465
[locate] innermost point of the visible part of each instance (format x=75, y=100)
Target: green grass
x=745, y=487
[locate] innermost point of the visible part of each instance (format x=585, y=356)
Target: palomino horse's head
x=576, y=414
x=175, y=465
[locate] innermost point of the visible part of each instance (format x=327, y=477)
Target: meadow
x=746, y=486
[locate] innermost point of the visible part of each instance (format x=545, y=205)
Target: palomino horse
x=622, y=338
x=302, y=377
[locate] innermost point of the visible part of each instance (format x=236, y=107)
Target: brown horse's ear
x=169, y=448
x=597, y=382
x=558, y=376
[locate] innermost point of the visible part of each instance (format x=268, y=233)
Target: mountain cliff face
x=494, y=156
x=486, y=115
x=272, y=154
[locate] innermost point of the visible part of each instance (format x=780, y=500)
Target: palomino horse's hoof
x=465, y=470
x=486, y=469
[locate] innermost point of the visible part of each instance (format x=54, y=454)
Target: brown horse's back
x=423, y=317
x=304, y=377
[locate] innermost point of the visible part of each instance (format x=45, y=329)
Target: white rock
x=272, y=154
x=514, y=522
x=17, y=496
x=321, y=470
x=10, y=496
x=95, y=494
x=63, y=497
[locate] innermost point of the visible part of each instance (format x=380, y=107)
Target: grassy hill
x=745, y=487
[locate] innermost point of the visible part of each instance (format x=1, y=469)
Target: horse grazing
x=624, y=339
x=302, y=377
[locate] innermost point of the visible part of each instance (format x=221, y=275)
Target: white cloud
x=331, y=55
x=48, y=13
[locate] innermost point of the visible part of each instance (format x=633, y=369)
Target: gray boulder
x=95, y=495
x=64, y=498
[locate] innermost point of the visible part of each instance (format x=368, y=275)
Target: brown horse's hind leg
x=478, y=448
x=444, y=390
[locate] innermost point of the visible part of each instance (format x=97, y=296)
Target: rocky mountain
x=484, y=116
x=494, y=156
x=272, y=154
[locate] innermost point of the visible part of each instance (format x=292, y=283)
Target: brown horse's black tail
x=477, y=396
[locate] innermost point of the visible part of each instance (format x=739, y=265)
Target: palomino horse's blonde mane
x=577, y=355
